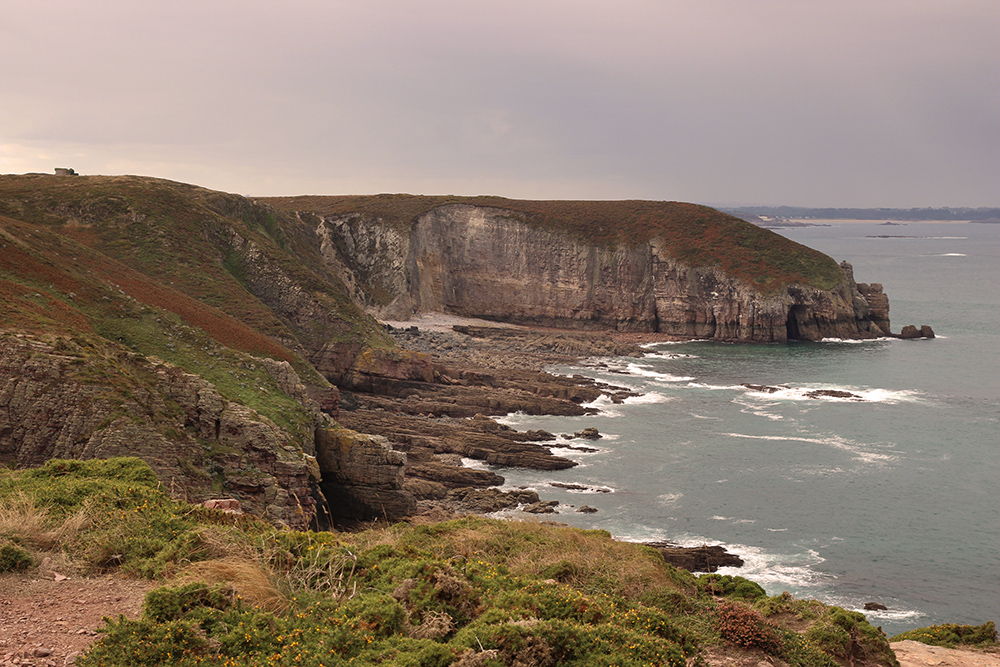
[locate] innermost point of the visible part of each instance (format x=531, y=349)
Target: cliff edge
x=662, y=267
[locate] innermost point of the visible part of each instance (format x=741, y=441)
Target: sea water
x=890, y=497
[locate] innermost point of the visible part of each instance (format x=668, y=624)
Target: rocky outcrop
x=326, y=325
x=910, y=331
x=490, y=263
x=362, y=476
x=479, y=438
x=696, y=559
x=63, y=397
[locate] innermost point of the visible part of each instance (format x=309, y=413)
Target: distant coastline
x=816, y=215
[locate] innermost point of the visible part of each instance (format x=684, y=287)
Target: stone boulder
x=486, y=501
x=696, y=559
x=911, y=332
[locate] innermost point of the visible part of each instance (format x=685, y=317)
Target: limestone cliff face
x=60, y=399
x=489, y=262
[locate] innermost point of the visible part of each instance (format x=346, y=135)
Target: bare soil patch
x=914, y=654
x=48, y=622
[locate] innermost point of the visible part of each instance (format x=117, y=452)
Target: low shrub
x=847, y=635
x=171, y=604
x=952, y=634
x=730, y=586
x=744, y=627
x=14, y=559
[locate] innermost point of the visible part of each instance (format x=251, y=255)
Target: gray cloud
x=846, y=103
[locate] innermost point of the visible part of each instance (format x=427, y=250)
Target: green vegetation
x=695, y=235
x=14, y=559
x=472, y=591
x=951, y=635
x=210, y=258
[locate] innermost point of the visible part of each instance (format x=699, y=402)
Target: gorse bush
x=473, y=591
x=952, y=634
x=731, y=586
x=14, y=559
x=847, y=635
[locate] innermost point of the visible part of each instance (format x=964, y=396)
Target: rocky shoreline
x=490, y=371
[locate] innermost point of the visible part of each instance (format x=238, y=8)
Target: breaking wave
x=857, y=450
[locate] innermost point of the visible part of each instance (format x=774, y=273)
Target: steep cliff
x=181, y=325
x=711, y=276
x=83, y=398
x=191, y=327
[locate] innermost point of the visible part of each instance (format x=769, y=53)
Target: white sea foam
x=857, y=450
x=715, y=387
x=954, y=254
x=670, y=355
x=605, y=406
x=670, y=498
x=475, y=464
x=856, y=341
x=888, y=614
x=514, y=418
x=758, y=409
x=777, y=572
x=649, y=397
x=648, y=346
x=807, y=393
x=648, y=372
x=589, y=489
x=571, y=453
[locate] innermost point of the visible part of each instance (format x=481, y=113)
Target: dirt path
x=915, y=654
x=45, y=622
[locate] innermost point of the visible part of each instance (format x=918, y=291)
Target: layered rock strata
x=362, y=476
x=60, y=398
x=490, y=263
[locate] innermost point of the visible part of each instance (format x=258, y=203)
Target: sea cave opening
x=792, y=323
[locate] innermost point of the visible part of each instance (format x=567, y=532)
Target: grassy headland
x=693, y=234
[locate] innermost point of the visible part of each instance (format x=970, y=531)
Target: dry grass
x=251, y=582
x=585, y=559
x=21, y=518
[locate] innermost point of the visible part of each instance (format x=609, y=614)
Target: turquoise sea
x=894, y=498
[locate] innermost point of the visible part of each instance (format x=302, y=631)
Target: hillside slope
x=158, y=319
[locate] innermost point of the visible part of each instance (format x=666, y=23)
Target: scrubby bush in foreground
x=466, y=592
x=950, y=635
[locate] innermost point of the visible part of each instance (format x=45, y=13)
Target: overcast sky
x=802, y=102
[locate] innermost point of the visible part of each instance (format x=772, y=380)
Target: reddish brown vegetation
x=693, y=234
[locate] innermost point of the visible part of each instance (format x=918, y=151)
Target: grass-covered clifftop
x=161, y=269
x=695, y=235
x=193, y=252
x=471, y=591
